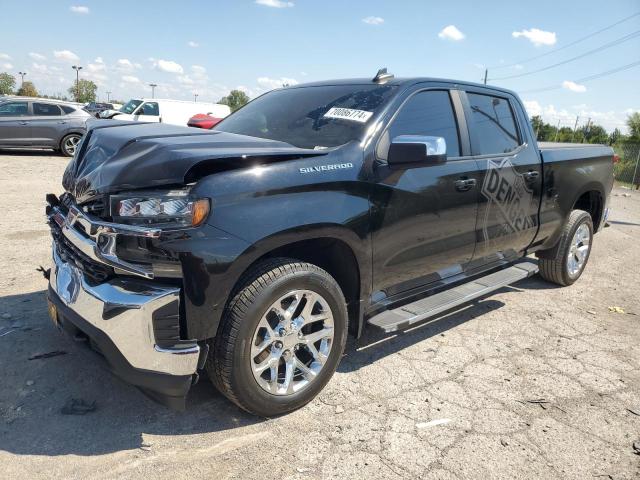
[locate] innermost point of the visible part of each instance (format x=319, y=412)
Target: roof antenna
x=382, y=76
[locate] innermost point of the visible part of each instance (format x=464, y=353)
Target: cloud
x=126, y=65
x=373, y=20
x=275, y=3
x=39, y=67
x=198, y=69
x=573, y=86
x=193, y=44
x=537, y=37
x=185, y=80
x=37, y=56
x=451, y=32
x=66, y=55
x=4, y=56
x=97, y=66
x=81, y=9
x=7, y=66
x=130, y=79
x=169, y=66
x=271, y=83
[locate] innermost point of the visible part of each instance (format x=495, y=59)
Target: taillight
x=616, y=158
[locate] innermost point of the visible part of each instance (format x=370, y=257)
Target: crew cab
x=250, y=251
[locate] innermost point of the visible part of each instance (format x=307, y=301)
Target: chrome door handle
x=531, y=175
x=24, y=123
x=465, y=184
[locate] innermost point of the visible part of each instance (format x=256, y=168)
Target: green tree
x=28, y=89
x=235, y=100
x=7, y=83
x=85, y=92
x=633, y=122
x=596, y=134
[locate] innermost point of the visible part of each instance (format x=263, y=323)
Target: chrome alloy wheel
x=292, y=342
x=70, y=144
x=578, y=250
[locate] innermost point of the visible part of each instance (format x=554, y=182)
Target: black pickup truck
x=251, y=251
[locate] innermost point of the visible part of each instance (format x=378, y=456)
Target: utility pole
x=195, y=97
x=22, y=74
x=557, y=131
x=486, y=70
x=575, y=126
x=108, y=99
x=153, y=89
x=77, y=68
x=586, y=130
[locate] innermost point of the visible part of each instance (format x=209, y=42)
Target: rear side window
x=14, y=109
x=492, y=125
x=46, y=109
x=149, y=108
x=66, y=109
x=427, y=113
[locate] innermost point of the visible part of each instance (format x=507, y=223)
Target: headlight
x=175, y=209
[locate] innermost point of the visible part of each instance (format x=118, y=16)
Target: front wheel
x=564, y=263
x=281, y=337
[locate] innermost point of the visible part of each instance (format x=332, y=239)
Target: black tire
x=229, y=360
x=553, y=262
x=64, y=147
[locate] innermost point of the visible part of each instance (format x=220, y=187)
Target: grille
x=95, y=272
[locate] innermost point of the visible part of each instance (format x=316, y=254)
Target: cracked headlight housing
x=172, y=209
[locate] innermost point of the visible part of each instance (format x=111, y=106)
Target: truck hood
x=117, y=156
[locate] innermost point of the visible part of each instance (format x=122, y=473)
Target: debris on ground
x=54, y=353
x=433, y=423
x=591, y=312
x=616, y=310
x=504, y=442
x=77, y=406
x=636, y=447
x=635, y=411
x=541, y=402
x=339, y=409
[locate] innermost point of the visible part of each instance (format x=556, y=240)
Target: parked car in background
x=41, y=123
x=94, y=108
x=175, y=112
x=204, y=120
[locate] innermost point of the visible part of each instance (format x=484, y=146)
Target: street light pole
x=108, y=93
x=22, y=74
x=195, y=97
x=153, y=89
x=77, y=68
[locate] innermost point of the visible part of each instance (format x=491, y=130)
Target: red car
x=202, y=120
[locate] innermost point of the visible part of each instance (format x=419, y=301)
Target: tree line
x=83, y=91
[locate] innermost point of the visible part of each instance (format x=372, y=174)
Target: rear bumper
x=117, y=318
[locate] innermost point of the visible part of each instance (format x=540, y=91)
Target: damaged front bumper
x=132, y=321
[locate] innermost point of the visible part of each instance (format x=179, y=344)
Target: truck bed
x=554, y=151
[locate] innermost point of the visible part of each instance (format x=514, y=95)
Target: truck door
x=147, y=112
x=424, y=214
x=510, y=176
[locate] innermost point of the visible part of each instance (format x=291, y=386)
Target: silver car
x=41, y=123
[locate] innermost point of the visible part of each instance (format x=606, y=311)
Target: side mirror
x=416, y=149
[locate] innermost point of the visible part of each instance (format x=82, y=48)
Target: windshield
x=310, y=117
x=130, y=106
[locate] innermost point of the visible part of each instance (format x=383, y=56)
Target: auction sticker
x=349, y=114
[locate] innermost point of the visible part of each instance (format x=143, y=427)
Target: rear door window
x=492, y=125
x=46, y=110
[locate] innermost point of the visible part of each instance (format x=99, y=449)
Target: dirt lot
x=532, y=382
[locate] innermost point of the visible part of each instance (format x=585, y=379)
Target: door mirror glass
x=417, y=148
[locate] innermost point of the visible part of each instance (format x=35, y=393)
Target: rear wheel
x=564, y=263
x=69, y=144
x=281, y=337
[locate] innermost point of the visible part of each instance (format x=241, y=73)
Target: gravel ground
x=532, y=382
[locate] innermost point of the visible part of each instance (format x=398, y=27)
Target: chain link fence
x=627, y=170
